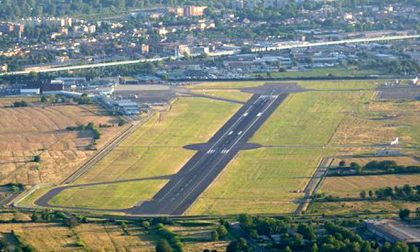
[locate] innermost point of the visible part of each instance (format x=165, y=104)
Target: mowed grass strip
x=271, y=180
x=156, y=148
x=351, y=186
x=111, y=196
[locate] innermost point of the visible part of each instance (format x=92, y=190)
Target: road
x=205, y=166
x=314, y=184
x=220, y=53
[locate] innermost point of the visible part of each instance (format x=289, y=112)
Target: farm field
x=111, y=196
x=155, y=149
x=42, y=131
x=351, y=186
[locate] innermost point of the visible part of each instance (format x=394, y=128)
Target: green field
x=323, y=73
x=155, y=149
x=271, y=180
x=266, y=180
x=318, y=85
x=111, y=196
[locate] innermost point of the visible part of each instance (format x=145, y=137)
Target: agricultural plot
x=42, y=131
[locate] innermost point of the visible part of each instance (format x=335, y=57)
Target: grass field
x=309, y=118
x=112, y=196
x=317, y=85
x=155, y=149
x=86, y=237
x=267, y=180
x=351, y=186
x=337, y=208
x=271, y=180
x=323, y=73
x=41, y=131
x=102, y=236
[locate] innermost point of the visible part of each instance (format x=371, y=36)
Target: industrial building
x=393, y=231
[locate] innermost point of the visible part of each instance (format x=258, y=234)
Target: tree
x=222, y=231
x=370, y=193
x=163, y=246
x=37, y=158
x=404, y=214
x=342, y=164
x=363, y=194
x=355, y=166
x=214, y=235
x=238, y=246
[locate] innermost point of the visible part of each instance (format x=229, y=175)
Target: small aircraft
x=110, y=92
x=396, y=141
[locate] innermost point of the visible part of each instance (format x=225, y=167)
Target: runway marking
x=252, y=124
x=219, y=160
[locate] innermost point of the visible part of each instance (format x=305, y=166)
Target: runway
x=204, y=167
x=184, y=188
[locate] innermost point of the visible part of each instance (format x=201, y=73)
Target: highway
x=205, y=166
x=219, y=54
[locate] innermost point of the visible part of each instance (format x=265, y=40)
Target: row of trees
x=374, y=167
x=406, y=192
x=337, y=235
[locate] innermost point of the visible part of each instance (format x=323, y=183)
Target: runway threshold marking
x=219, y=160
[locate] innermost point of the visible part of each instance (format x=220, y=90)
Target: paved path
x=314, y=184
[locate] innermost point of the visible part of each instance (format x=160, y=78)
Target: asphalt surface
x=204, y=167
x=314, y=184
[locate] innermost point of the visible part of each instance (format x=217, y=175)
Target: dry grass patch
x=337, y=208
x=351, y=186
x=94, y=237
x=40, y=131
